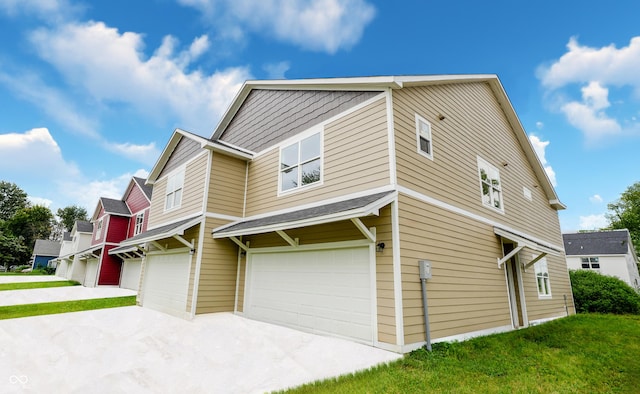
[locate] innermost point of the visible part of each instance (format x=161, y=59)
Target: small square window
x=424, y=138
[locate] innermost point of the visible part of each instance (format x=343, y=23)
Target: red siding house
x=113, y=221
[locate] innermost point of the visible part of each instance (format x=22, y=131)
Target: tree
x=625, y=213
x=12, y=199
x=69, y=215
x=31, y=223
x=12, y=250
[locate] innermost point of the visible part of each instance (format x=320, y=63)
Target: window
x=175, y=183
x=301, y=163
x=542, y=277
x=490, y=185
x=423, y=135
x=99, y=229
x=591, y=263
x=139, y=221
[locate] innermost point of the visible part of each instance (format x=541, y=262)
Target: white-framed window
x=592, y=263
x=423, y=137
x=490, y=185
x=542, y=277
x=301, y=163
x=139, y=222
x=175, y=184
x=99, y=229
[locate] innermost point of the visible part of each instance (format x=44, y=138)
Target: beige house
x=313, y=202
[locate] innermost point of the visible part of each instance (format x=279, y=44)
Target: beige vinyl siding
x=241, y=280
x=467, y=292
x=474, y=125
x=191, y=235
x=192, y=194
x=218, y=272
x=226, y=185
x=355, y=158
x=543, y=308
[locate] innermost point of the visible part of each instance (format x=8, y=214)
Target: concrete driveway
x=138, y=350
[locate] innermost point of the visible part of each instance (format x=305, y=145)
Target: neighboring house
x=138, y=198
x=69, y=265
x=314, y=200
x=43, y=251
x=65, y=249
x=113, y=221
x=607, y=252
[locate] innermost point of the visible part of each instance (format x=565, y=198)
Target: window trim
x=298, y=140
x=137, y=228
x=541, y=268
x=590, y=262
x=98, y=229
x=179, y=173
x=420, y=119
x=482, y=162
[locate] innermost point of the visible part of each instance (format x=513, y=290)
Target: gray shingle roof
x=83, y=226
x=146, y=189
x=66, y=236
x=309, y=213
x=158, y=231
x=596, y=243
x=113, y=206
x=44, y=247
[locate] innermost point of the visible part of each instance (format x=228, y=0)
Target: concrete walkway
x=54, y=294
x=139, y=350
x=28, y=278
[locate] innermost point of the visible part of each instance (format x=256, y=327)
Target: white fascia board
x=167, y=234
x=220, y=148
x=417, y=80
x=529, y=242
x=164, y=156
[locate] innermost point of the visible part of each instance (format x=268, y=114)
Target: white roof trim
x=529, y=242
x=167, y=234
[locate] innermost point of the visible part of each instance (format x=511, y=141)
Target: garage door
x=91, y=272
x=325, y=291
x=130, y=278
x=166, y=282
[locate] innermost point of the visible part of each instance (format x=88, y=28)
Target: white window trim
x=590, y=263
x=537, y=268
x=483, y=162
x=99, y=228
x=420, y=119
x=297, y=140
x=137, y=229
x=173, y=175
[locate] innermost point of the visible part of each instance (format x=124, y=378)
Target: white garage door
x=91, y=272
x=166, y=282
x=130, y=278
x=325, y=291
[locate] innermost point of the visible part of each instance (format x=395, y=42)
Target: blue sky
x=90, y=92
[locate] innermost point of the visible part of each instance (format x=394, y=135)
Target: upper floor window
x=542, y=277
x=490, y=184
x=99, y=229
x=175, y=183
x=301, y=163
x=423, y=136
x=591, y=263
x=139, y=222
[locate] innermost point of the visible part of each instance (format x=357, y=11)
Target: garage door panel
x=326, y=291
x=131, y=274
x=166, y=281
x=91, y=273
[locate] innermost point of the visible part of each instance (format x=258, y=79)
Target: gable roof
x=112, y=206
x=205, y=143
x=597, y=243
x=83, y=226
x=44, y=247
x=399, y=82
x=146, y=189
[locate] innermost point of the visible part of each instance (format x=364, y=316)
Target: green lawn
x=48, y=308
x=37, y=285
x=579, y=354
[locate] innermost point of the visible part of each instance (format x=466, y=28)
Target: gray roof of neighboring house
x=66, y=236
x=83, y=226
x=113, y=206
x=597, y=243
x=146, y=189
x=44, y=247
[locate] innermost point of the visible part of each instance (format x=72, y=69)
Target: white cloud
x=276, y=70
x=594, y=70
x=593, y=222
x=540, y=147
x=49, y=10
x=539, y=125
x=318, y=25
x=147, y=154
x=596, y=199
x=111, y=66
x=44, y=202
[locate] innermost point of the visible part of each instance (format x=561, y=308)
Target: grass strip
x=49, y=308
x=579, y=354
x=37, y=285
